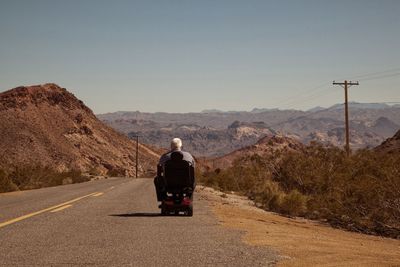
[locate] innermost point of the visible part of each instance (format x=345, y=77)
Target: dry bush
x=94, y=171
x=360, y=192
x=115, y=173
x=243, y=177
x=32, y=177
x=294, y=203
x=6, y=185
x=252, y=176
x=268, y=194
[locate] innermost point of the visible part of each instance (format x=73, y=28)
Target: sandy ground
x=301, y=242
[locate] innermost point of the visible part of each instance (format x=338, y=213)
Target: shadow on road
x=137, y=214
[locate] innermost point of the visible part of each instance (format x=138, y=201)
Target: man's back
x=159, y=180
x=186, y=156
x=178, y=173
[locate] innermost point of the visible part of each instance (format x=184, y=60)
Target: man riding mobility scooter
x=178, y=179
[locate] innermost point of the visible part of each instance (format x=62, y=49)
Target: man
x=176, y=146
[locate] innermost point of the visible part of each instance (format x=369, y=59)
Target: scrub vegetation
x=359, y=193
x=32, y=177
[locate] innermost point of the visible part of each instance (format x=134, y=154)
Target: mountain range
x=215, y=133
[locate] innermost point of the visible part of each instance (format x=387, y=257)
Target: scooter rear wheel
x=163, y=212
x=189, y=211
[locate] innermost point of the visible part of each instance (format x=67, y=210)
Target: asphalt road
x=114, y=222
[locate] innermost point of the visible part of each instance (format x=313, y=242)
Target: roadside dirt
x=301, y=242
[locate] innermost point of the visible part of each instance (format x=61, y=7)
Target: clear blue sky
x=179, y=56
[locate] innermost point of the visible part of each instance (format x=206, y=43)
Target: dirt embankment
x=301, y=242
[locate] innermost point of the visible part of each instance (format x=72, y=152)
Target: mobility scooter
x=179, y=184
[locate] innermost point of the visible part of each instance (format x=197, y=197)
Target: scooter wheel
x=163, y=212
x=189, y=212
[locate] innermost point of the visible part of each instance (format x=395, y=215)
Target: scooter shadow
x=138, y=214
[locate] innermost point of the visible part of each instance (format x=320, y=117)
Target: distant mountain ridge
x=207, y=141
x=370, y=125
x=357, y=105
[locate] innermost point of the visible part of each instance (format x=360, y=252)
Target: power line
x=322, y=89
x=382, y=102
x=315, y=93
x=310, y=98
x=358, y=76
x=382, y=77
x=306, y=94
x=368, y=76
x=294, y=99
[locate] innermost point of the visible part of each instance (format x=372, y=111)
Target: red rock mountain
x=47, y=125
x=391, y=145
x=264, y=147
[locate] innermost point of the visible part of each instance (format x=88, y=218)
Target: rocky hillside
x=363, y=133
x=391, y=145
x=49, y=126
x=265, y=147
x=206, y=141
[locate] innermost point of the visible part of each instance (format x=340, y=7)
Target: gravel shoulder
x=300, y=242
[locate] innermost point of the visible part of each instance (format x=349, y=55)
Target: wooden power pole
x=137, y=154
x=346, y=84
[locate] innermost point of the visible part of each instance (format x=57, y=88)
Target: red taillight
x=186, y=201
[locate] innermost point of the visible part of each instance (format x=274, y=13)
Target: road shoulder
x=300, y=242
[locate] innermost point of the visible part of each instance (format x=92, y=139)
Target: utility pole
x=137, y=154
x=346, y=84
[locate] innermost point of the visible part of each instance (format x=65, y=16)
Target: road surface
x=114, y=222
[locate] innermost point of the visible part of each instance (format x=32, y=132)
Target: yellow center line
x=98, y=194
x=42, y=211
x=61, y=208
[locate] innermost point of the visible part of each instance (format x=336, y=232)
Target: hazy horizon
x=179, y=57
x=250, y=110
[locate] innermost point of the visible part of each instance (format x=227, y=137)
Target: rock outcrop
x=266, y=146
x=391, y=145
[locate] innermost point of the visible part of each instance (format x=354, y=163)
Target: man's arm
x=189, y=158
x=164, y=158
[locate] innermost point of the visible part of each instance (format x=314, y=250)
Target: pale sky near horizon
x=181, y=56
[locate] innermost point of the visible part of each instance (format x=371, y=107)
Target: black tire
x=163, y=211
x=189, y=211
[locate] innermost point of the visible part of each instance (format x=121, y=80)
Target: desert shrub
x=360, y=192
x=115, y=172
x=94, y=171
x=243, y=177
x=6, y=184
x=268, y=194
x=294, y=203
x=36, y=176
